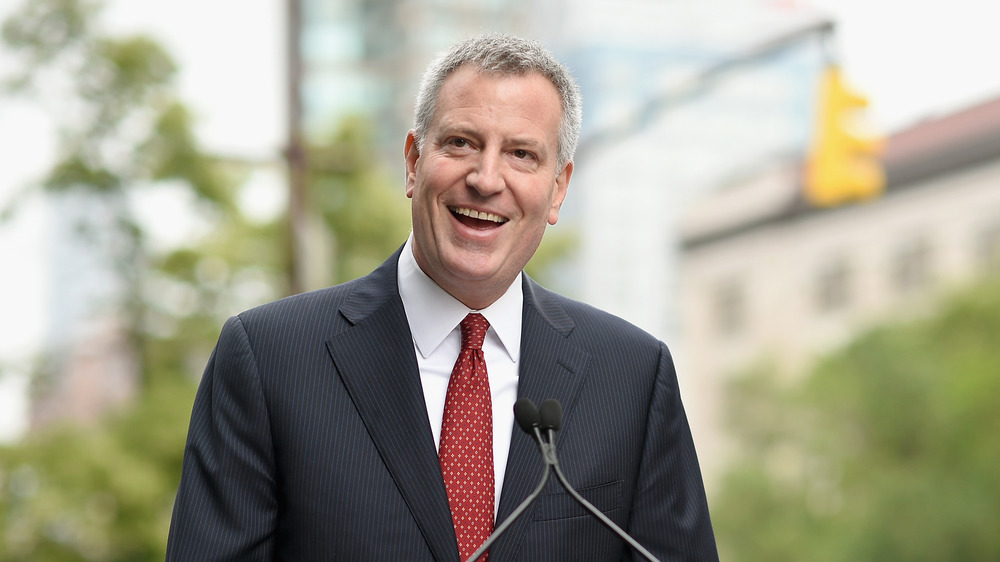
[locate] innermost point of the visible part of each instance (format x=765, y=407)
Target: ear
x=411, y=153
x=561, y=186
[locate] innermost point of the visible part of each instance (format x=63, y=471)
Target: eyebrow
x=461, y=130
x=527, y=142
x=464, y=130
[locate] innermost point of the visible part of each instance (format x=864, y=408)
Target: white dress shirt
x=434, y=317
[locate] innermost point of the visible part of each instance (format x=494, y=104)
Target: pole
x=698, y=83
x=295, y=154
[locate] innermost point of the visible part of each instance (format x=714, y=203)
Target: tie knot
x=474, y=328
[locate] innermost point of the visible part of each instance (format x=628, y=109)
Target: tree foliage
x=99, y=493
x=365, y=218
x=122, y=130
x=105, y=492
x=886, y=451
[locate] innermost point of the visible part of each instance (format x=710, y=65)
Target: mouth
x=480, y=220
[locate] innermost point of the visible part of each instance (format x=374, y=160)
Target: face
x=485, y=184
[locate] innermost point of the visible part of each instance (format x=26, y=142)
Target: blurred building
x=661, y=128
x=87, y=364
x=364, y=58
x=82, y=381
x=676, y=101
x=767, y=279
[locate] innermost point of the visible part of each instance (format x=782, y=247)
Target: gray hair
x=503, y=55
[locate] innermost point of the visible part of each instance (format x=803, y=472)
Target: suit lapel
x=551, y=367
x=376, y=361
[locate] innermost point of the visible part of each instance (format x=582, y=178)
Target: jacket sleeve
x=226, y=507
x=670, y=511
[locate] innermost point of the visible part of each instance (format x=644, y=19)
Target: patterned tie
x=466, y=450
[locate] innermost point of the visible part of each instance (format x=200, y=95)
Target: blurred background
x=802, y=198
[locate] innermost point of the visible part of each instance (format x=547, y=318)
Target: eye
x=521, y=154
x=459, y=142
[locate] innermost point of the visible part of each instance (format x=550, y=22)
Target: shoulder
x=585, y=324
x=326, y=310
x=301, y=306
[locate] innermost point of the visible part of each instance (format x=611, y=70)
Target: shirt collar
x=432, y=313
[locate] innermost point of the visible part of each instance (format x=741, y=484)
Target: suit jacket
x=309, y=439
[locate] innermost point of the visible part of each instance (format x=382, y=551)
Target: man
x=332, y=425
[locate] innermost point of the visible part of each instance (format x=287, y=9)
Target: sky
x=913, y=60
x=918, y=59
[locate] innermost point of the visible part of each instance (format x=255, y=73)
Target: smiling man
x=485, y=178
x=373, y=420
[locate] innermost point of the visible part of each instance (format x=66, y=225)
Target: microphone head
x=551, y=414
x=526, y=415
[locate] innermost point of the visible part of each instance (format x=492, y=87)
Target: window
x=988, y=249
x=729, y=308
x=911, y=266
x=833, y=286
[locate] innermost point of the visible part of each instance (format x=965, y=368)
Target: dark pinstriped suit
x=309, y=439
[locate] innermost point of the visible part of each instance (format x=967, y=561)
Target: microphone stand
x=513, y=516
x=597, y=512
x=527, y=417
x=550, y=419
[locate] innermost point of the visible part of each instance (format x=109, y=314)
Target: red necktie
x=466, y=450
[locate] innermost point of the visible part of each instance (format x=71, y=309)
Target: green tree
x=121, y=130
x=97, y=493
x=886, y=451
x=105, y=492
x=365, y=218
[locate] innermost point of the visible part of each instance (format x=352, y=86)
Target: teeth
x=483, y=216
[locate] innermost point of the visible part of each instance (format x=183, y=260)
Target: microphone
x=529, y=420
x=550, y=420
x=526, y=414
x=550, y=416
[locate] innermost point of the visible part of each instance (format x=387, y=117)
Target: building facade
x=766, y=279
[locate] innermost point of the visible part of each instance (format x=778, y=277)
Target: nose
x=486, y=177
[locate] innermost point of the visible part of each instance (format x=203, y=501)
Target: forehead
x=469, y=92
